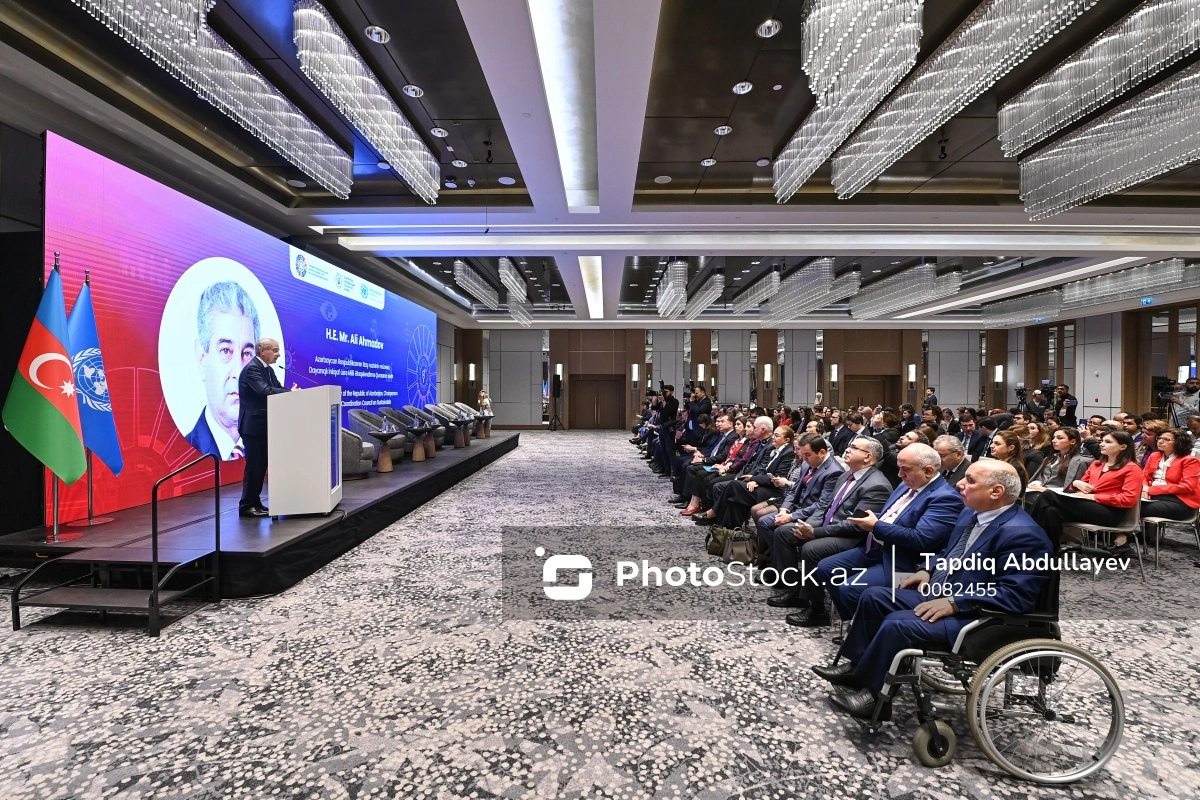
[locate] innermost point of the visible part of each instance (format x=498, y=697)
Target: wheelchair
x=1040, y=709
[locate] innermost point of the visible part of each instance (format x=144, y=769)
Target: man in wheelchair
x=982, y=567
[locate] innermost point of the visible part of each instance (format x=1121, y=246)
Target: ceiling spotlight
x=504, y=180
x=663, y=179
x=458, y=162
x=451, y=185
x=412, y=90
x=756, y=263
x=768, y=29
x=763, y=162
x=441, y=133
x=297, y=184
x=742, y=88
x=437, y=263
x=723, y=130
x=708, y=162
x=379, y=36
x=777, y=87
x=633, y=285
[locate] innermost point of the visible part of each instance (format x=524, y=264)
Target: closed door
x=871, y=390
x=597, y=402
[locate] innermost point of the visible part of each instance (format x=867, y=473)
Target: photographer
x=1034, y=403
x=1065, y=406
x=1185, y=402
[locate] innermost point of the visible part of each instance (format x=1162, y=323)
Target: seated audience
x=1171, y=486
x=732, y=500
x=992, y=525
x=815, y=484
x=974, y=441
x=1006, y=446
x=918, y=518
x=1066, y=464
x=1039, y=439
x=695, y=474
x=954, y=458
x=827, y=531
x=713, y=451
x=844, y=427
x=1151, y=430
x=747, y=458
x=1107, y=489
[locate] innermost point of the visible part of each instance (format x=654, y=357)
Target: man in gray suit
x=815, y=484
x=826, y=532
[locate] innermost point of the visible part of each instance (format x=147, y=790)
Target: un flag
x=91, y=384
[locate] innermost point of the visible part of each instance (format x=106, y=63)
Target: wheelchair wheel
x=1046, y=711
x=935, y=748
x=935, y=677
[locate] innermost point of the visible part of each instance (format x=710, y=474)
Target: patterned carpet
x=391, y=673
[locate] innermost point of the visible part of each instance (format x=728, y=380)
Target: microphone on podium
x=301, y=376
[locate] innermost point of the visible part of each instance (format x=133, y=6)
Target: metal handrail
x=216, y=522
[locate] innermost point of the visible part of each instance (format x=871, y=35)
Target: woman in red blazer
x=1109, y=487
x=1172, y=478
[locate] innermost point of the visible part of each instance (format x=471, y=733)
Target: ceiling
x=661, y=81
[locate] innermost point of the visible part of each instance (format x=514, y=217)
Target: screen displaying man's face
x=230, y=348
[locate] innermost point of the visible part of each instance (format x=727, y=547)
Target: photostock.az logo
x=550, y=575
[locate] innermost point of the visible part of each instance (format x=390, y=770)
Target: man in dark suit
x=989, y=426
x=758, y=441
x=255, y=384
x=930, y=398
x=840, y=436
x=954, y=458
x=733, y=499
x=974, y=441
x=664, y=442
x=993, y=527
x=815, y=484
x=918, y=518
x=826, y=532
x=717, y=452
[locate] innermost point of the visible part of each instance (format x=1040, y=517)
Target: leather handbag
x=740, y=547
x=715, y=541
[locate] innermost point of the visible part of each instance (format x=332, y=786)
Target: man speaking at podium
x=256, y=382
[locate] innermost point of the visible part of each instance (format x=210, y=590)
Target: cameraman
x=1065, y=406
x=1034, y=404
x=1185, y=403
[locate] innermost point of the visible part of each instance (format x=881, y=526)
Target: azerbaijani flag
x=41, y=411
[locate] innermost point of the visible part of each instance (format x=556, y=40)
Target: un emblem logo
x=90, y=380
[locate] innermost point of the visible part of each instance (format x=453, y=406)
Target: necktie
x=238, y=451
x=896, y=509
x=942, y=575
x=837, y=501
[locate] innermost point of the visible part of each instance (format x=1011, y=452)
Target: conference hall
x=599, y=398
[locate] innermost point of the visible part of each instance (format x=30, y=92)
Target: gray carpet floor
x=395, y=672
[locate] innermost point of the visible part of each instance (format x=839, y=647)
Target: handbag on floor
x=715, y=541
x=740, y=547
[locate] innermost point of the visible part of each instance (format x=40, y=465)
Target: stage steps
x=92, y=590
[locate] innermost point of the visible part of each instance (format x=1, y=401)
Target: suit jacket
x=931, y=400
x=804, y=497
x=959, y=473
x=1013, y=533
x=923, y=526
x=977, y=445
x=255, y=384
x=720, y=448
x=1075, y=469
x=840, y=439
x=744, y=456
x=869, y=493
x=764, y=466
x=202, y=438
x=1183, y=479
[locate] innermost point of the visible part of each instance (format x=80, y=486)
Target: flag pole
x=54, y=478
x=92, y=519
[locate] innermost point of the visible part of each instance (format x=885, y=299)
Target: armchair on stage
x=304, y=452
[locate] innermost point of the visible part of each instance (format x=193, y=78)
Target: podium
x=304, y=451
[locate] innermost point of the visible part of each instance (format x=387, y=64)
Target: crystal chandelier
x=997, y=36
x=757, y=294
x=520, y=312
x=855, y=52
x=174, y=35
x=705, y=296
x=1157, y=34
x=1143, y=138
x=513, y=280
x=672, y=290
x=329, y=60
x=811, y=287
x=1165, y=276
x=912, y=287
x=1035, y=308
x=475, y=286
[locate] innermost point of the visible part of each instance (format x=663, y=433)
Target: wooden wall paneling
x=468, y=349
x=560, y=354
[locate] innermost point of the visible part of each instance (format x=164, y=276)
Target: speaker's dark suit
x=255, y=384
x=883, y=627
x=922, y=527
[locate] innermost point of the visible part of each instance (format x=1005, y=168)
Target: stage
x=264, y=555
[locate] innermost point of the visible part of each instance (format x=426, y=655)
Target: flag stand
x=91, y=518
x=55, y=529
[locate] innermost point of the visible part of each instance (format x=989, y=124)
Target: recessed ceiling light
x=763, y=162
x=768, y=29
x=743, y=87
x=556, y=284
x=297, y=184
x=441, y=133
x=377, y=34
x=663, y=179
x=755, y=262
x=437, y=263
x=412, y=90
x=723, y=130
x=876, y=270
x=708, y=162
x=383, y=165
x=451, y=185
x=777, y=87
x=506, y=181
x=458, y=162
x=745, y=271
x=634, y=285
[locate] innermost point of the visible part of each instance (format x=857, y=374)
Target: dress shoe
x=253, y=511
x=680, y=505
x=809, y=618
x=687, y=512
x=861, y=705
x=635, y=440
x=702, y=520
x=678, y=498
x=841, y=675
x=788, y=600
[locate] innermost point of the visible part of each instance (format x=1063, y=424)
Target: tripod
x=555, y=422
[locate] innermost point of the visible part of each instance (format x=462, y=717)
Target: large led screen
x=181, y=293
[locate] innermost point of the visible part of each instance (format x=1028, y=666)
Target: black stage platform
x=264, y=556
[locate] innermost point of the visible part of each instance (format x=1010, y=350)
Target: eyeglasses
x=859, y=449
